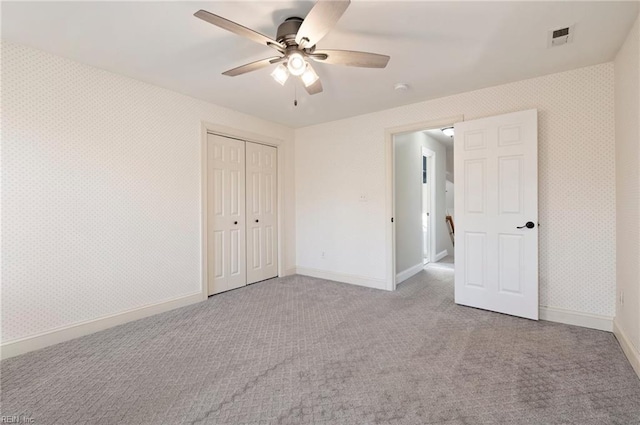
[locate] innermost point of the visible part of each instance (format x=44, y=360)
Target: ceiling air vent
x=560, y=36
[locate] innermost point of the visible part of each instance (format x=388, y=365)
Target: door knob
x=257, y=221
x=529, y=225
x=235, y=222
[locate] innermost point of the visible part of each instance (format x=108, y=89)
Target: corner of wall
x=630, y=351
x=626, y=324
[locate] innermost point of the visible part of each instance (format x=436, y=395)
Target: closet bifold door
x=262, y=220
x=226, y=250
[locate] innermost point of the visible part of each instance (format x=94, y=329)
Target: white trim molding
x=570, y=317
x=440, y=256
x=411, y=271
x=632, y=353
x=66, y=333
x=369, y=282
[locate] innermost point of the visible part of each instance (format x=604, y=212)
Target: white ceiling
x=438, y=48
x=437, y=134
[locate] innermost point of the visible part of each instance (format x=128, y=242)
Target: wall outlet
x=363, y=197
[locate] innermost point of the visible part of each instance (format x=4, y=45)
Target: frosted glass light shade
x=448, y=131
x=280, y=74
x=296, y=64
x=309, y=76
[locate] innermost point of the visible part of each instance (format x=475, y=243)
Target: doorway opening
x=496, y=248
x=427, y=190
x=423, y=201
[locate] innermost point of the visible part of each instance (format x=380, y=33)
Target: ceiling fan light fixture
x=296, y=64
x=309, y=76
x=295, y=42
x=280, y=74
x=448, y=131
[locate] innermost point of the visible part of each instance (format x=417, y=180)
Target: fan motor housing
x=288, y=29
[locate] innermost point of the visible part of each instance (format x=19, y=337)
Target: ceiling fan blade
x=314, y=88
x=253, y=66
x=350, y=58
x=238, y=29
x=322, y=17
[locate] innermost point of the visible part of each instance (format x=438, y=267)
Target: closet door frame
x=246, y=136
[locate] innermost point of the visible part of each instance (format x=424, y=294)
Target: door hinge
x=392, y=219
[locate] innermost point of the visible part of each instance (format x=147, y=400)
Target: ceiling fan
x=296, y=41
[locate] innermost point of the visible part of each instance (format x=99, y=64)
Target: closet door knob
x=235, y=222
x=257, y=220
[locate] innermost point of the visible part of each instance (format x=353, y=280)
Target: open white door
x=496, y=249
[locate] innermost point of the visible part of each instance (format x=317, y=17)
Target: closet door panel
x=262, y=219
x=226, y=234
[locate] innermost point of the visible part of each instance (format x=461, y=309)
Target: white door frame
x=432, y=203
x=390, y=207
x=246, y=136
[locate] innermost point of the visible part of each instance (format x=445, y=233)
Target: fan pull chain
x=295, y=95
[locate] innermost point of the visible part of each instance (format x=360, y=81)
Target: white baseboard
x=440, y=256
x=289, y=272
x=632, y=353
x=570, y=317
x=35, y=342
x=411, y=271
x=369, y=282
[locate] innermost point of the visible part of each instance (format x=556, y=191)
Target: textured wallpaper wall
x=627, y=93
x=101, y=185
x=576, y=183
x=101, y=191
